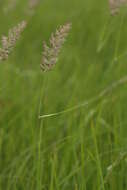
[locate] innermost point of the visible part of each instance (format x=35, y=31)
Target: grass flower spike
x=10, y=6
x=115, y=5
x=33, y=3
x=50, y=53
x=9, y=42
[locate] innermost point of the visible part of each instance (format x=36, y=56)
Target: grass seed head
x=10, y=6
x=9, y=42
x=115, y=6
x=33, y=3
x=51, y=52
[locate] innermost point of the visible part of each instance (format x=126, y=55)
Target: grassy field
x=83, y=146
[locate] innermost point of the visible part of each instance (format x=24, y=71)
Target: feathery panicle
x=33, y=3
x=115, y=5
x=50, y=53
x=10, y=6
x=31, y=7
x=8, y=42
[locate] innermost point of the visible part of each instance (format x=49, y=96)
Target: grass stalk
x=98, y=162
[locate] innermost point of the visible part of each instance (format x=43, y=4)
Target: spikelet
x=9, y=42
x=50, y=53
x=115, y=6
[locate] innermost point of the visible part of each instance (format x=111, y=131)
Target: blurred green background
x=84, y=147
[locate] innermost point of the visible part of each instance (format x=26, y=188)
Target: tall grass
x=79, y=140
